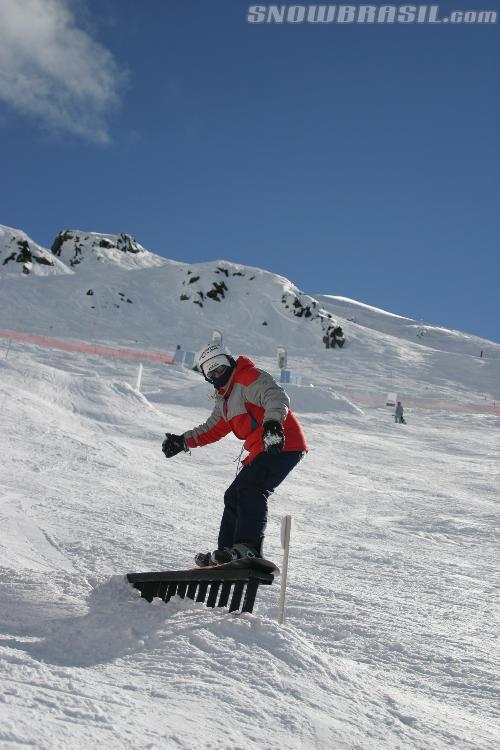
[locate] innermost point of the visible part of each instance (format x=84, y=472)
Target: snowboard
x=236, y=569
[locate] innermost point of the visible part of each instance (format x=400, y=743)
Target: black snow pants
x=245, y=500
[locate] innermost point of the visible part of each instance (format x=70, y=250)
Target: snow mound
x=310, y=400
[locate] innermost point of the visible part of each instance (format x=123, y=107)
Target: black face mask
x=222, y=380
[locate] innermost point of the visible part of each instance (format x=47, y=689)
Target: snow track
x=390, y=634
x=390, y=639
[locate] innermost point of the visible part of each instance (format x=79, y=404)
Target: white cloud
x=54, y=72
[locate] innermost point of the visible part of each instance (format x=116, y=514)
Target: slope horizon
x=340, y=294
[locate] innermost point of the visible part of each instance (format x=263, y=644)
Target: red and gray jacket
x=251, y=397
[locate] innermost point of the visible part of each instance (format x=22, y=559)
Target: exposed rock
x=304, y=306
x=59, y=241
x=127, y=244
x=69, y=246
x=42, y=260
x=9, y=258
x=27, y=254
x=218, y=291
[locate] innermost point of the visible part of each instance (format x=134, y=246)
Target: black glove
x=173, y=444
x=273, y=436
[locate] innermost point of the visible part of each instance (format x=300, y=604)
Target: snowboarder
x=249, y=403
x=398, y=414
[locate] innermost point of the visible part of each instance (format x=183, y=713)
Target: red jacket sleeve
x=210, y=431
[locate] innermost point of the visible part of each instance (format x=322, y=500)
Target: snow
x=391, y=632
x=19, y=255
x=359, y=305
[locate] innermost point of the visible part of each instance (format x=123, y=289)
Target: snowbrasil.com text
x=365, y=14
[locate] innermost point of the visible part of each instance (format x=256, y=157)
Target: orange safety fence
x=82, y=346
x=361, y=398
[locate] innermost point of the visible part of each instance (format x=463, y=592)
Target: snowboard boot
x=219, y=556
x=202, y=559
x=236, y=552
x=244, y=549
x=228, y=554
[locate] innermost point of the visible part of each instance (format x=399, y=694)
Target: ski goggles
x=216, y=373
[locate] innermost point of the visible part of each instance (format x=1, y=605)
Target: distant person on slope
x=250, y=403
x=398, y=413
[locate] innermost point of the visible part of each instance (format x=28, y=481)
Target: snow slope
x=115, y=296
x=430, y=336
x=20, y=255
x=390, y=639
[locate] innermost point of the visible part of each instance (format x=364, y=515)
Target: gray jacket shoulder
x=267, y=393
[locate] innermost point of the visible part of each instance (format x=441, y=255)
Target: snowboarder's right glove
x=273, y=436
x=173, y=444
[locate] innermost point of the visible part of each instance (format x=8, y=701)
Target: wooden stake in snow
x=139, y=378
x=286, y=526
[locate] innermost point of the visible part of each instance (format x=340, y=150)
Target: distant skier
x=255, y=408
x=398, y=413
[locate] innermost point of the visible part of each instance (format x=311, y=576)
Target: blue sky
x=355, y=160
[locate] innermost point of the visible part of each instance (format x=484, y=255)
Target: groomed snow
x=390, y=638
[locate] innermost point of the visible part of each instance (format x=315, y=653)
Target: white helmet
x=213, y=356
x=216, y=365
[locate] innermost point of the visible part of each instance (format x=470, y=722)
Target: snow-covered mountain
x=415, y=331
x=389, y=640
x=90, y=250
x=196, y=297
x=109, y=289
x=20, y=255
